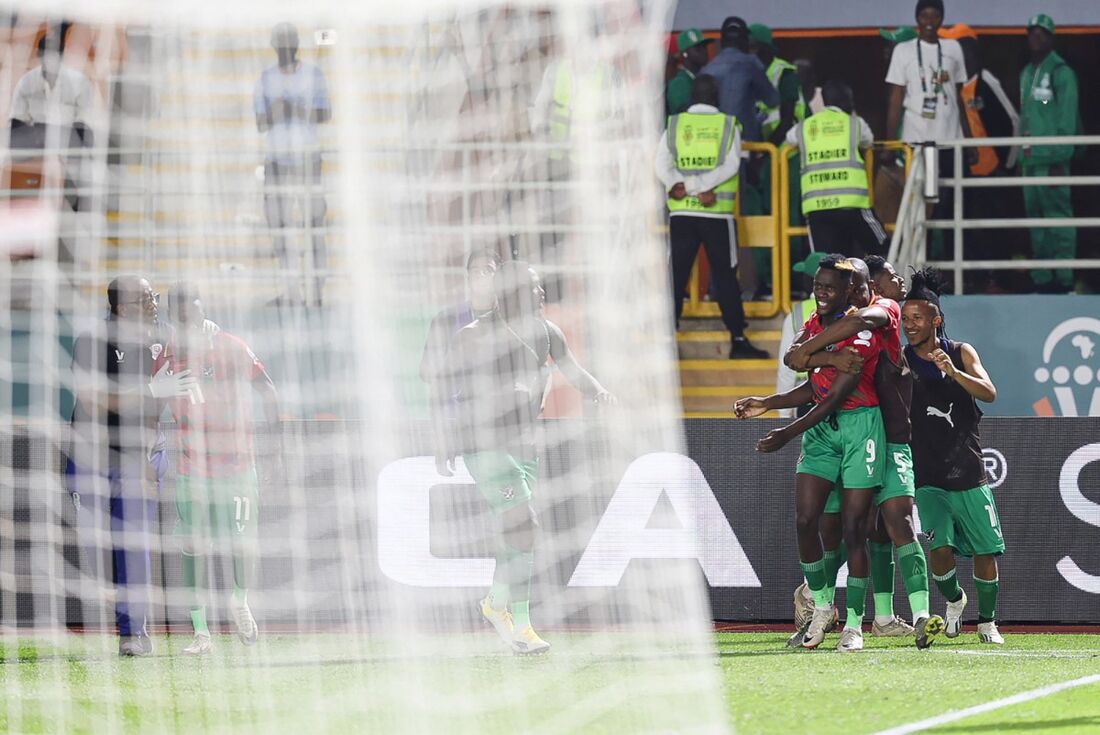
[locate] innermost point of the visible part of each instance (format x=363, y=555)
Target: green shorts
x=504, y=481
x=965, y=520
x=898, y=477
x=851, y=454
x=212, y=508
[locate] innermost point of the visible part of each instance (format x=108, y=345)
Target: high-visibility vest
x=987, y=156
x=701, y=142
x=593, y=85
x=802, y=310
x=770, y=122
x=833, y=176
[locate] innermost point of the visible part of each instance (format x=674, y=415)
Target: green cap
x=690, y=37
x=761, y=34
x=1042, y=20
x=810, y=265
x=900, y=34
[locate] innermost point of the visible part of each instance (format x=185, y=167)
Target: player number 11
x=243, y=504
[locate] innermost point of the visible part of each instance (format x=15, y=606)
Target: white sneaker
x=200, y=646
x=850, y=640
x=803, y=605
x=528, y=643
x=988, y=633
x=820, y=621
x=501, y=620
x=247, y=630
x=953, y=618
x=896, y=628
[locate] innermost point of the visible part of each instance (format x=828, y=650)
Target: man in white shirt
x=698, y=161
x=51, y=96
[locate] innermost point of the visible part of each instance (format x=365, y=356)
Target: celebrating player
x=956, y=506
x=848, y=446
x=893, y=520
x=501, y=375
x=217, y=489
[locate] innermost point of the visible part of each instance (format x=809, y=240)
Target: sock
x=498, y=593
x=914, y=573
x=240, y=594
x=987, y=598
x=834, y=559
x=192, y=577
x=243, y=566
x=857, y=599
x=815, y=577
x=882, y=580
x=948, y=585
x=521, y=567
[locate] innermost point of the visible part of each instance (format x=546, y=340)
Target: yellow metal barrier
x=787, y=230
x=754, y=231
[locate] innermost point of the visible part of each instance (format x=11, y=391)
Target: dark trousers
x=718, y=237
x=115, y=520
x=853, y=232
x=285, y=186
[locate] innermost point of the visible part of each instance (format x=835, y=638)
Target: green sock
x=498, y=593
x=521, y=567
x=815, y=577
x=914, y=572
x=243, y=567
x=857, y=599
x=834, y=559
x=948, y=585
x=193, y=577
x=882, y=579
x=987, y=598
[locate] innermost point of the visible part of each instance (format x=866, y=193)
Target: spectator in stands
x=290, y=100
x=698, y=162
x=811, y=91
x=741, y=79
x=925, y=78
x=785, y=378
x=776, y=120
x=52, y=103
x=991, y=115
x=694, y=50
x=1048, y=107
x=835, y=195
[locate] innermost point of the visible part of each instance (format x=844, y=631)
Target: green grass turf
x=343, y=683
x=890, y=683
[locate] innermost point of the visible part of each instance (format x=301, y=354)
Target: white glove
x=172, y=385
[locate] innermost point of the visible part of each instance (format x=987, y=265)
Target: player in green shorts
x=500, y=367
x=842, y=438
x=876, y=288
x=957, y=509
x=217, y=490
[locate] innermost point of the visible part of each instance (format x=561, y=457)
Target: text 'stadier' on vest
x=833, y=175
x=701, y=142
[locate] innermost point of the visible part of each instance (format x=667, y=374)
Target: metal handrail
x=908, y=247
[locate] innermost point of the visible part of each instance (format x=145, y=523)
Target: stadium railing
x=907, y=247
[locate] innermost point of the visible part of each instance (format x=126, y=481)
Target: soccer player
x=501, y=374
x=481, y=268
x=842, y=438
x=217, y=489
x=117, y=452
x=956, y=505
x=893, y=520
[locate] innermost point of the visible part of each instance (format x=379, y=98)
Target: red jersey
x=869, y=344
x=215, y=436
x=891, y=333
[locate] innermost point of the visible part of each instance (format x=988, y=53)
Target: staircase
x=710, y=382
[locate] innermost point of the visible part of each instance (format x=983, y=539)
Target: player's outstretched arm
x=973, y=377
x=577, y=376
x=841, y=389
x=753, y=406
x=868, y=318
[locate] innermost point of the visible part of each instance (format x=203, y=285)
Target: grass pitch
x=341, y=683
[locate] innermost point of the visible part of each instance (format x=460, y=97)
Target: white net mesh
x=344, y=374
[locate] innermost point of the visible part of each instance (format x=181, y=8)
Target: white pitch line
x=990, y=706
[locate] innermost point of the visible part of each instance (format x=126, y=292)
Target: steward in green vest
x=701, y=142
x=574, y=92
x=836, y=199
x=783, y=75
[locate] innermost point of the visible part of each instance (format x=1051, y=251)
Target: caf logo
x=811, y=129
x=689, y=134
x=1078, y=339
